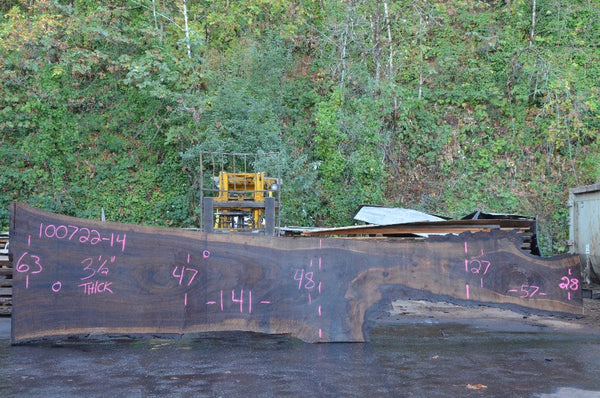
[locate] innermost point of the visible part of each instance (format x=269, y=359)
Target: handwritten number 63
x=24, y=267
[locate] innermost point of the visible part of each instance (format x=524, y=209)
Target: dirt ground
x=591, y=311
x=417, y=311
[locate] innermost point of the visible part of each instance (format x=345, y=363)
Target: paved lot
x=419, y=350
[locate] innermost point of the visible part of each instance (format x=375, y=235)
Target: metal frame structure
x=240, y=187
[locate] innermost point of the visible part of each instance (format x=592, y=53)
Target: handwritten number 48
x=304, y=278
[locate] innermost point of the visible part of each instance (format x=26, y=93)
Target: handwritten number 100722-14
x=81, y=234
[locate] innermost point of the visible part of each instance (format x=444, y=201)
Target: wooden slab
x=77, y=277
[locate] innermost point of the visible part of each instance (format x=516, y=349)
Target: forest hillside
x=441, y=106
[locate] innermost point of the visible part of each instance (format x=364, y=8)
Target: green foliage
x=74, y=134
x=444, y=107
x=243, y=113
x=347, y=156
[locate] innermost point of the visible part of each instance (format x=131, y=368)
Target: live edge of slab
x=437, y=314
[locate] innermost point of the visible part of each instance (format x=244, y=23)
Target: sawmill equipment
x=240, y=192
x=240, y=204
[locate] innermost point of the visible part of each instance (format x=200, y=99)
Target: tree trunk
x=187, y=30
x=532, y=33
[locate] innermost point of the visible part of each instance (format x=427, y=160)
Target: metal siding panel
x=585, y=220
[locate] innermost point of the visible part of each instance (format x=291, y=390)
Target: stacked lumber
x=382, y=222
x=5, y=277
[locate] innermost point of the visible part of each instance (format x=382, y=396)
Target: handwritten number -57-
x=528, y=291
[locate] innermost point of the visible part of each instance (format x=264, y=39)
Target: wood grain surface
x=80, y=277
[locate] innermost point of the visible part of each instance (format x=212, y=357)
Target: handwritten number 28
x=569, y=283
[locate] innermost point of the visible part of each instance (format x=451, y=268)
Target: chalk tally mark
x=569, y=284
x=475, y=265
x=308, y=282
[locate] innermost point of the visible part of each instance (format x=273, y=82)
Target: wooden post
x=209, y=219
x=270, y=216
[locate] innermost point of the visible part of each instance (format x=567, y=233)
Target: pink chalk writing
x=56, y=286
x=304, y=278
x=478, y=265
x=475, y=265
x=24, y=266
x=307, y=281
x=569, y=284
x=96, y=287
x=82, y=235
x=238, y=300
x=187, y=272
x=527, y=291
x=311, y=263
x=98, y=266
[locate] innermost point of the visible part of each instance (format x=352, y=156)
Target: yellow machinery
x=240, y=204
x=240, y=192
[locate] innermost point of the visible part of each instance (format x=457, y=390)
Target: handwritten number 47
x=191, y=271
